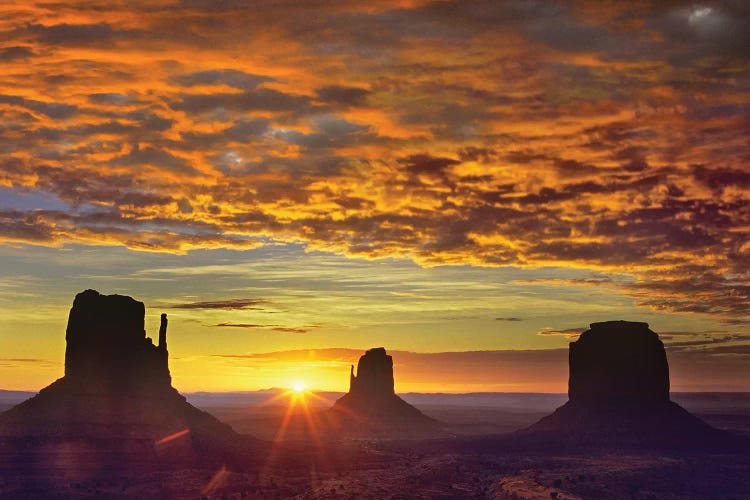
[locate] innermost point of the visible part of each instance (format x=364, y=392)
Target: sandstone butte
x=372, y=403
x=618, y=394
x=115, y=406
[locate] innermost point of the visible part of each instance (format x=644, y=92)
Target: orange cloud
x=481, y=133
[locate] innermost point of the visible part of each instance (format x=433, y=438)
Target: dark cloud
x=240, y=325
x=347, y=96
x=735, y=321
x=55, y=110
x=590, y=252
x=229, y=77
x=669, y=334
x=427, y=164
x=70, y=185
x=149, y=121
x=575, y=168
x=568, y=281
x=333, y=133
x=229, y=304
x=184, y=206
x=243, y=131
x=728, y=351
x=260, y=99
x=110, y=98
x=708, y=343
x=569, y=333
x=18, y=362
x=14, y=53
x=561, y=31
x=720, y=178
x=714, y=29
x=274, y=328
x=721, y=295
x=149, y=155
x=97, y=34
x=174, y=235
x=284, y=329
x=19, y=226
x=473, y=153
x=512, y=318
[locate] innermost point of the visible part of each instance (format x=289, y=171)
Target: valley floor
x=304, y=464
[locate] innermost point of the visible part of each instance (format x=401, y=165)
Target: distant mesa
x=115, y=406
x=618, y=362
x=374, y=381
x=372, y=404
x=618, y=393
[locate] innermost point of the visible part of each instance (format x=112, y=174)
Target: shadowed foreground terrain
x=465, y=467
x=114, y=427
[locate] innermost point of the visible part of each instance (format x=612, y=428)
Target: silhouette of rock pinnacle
x=374, y=374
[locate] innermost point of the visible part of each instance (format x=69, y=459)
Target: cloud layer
x=587, y=134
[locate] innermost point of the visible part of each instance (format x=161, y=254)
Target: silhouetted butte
x=115, y=406
x=619, y=394
x=372, y=403
x=107, y=348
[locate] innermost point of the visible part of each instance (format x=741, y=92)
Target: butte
x=115, y=408
x=371, y=405
x=618, y=393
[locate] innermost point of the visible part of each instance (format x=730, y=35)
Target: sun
x=298, y=387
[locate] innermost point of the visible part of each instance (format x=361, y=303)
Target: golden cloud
x=482, y=133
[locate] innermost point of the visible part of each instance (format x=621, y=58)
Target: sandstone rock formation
x=619, y=393
x=107, y=348
x=618, y=362
x=374, y=377
x=115, y=406
x=372, y=404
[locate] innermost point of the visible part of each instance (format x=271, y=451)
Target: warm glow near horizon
x=466, y=183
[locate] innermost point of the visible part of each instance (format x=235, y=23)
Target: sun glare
x=298, y=387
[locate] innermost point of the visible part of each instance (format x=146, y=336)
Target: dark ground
x=460, y=464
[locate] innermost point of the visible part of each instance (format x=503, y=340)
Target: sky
x=466, y=183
